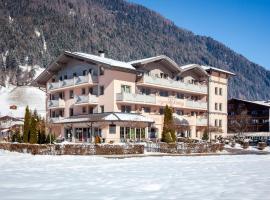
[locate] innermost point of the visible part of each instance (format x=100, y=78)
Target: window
x=83, y=109
x=71, y=112
x=179, y=112
x=161, y=111
x=216, y=122
x=125, y=109
x=220, y=91
x=122, y=132
x=220, y=123
x=102, y=109
x=65, y=77
x=71, y=94
x=60, y=78
x=101, y=90
x=90, y=71
x=101, y=71
x=146, y=109
x=90, y=90
x=216, y=106
x=53, y=80
x=83, y=91
x=145, y=91
x=220, y=106
x=216, y=90
x=74, y=74
x=112, y=128
x=179, y=96
x=164, y=93
x=125, y=89
x=84, y=72
x=90, y=110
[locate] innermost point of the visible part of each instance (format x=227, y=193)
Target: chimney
x=101, y=53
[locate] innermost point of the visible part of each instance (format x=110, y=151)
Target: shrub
x=261, y=145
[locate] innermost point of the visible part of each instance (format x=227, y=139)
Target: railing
x=196, y=104
x=161, y=101
x=60, y=103
x=201, y=121
x=72, y=82
x=86, y=99
x=136, y=98
x=174, y=84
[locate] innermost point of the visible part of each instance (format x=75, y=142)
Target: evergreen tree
x=27, y=124
x=168, y=132
x=33, y=128
x=205, y=136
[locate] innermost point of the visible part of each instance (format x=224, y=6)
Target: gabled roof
x=160, y=58
x=207, y=68
x=193, y=67
x=66, y=55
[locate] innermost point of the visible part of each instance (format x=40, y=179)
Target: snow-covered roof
x=108, y=61
x=262, y=103
x=154, y=59
x=97, y=117
x=217, y=69
x=192, y=67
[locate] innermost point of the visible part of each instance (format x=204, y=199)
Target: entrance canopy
x=105, y=117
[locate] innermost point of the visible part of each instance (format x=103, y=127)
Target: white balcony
x=196, y=104
x=86, y=99
x=88, y=79
x=201, y=121
x=172, y=84
x=60, y=103
x=136, y=98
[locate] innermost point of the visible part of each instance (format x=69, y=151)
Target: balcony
x=160, y=101
x=196, y=104
x=60, y=103
x=86, y=99
x=201, y=121
x=136, y=98
x=172, y=84
x=80, y=80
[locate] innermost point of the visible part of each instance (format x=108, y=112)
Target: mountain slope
x=36, y=31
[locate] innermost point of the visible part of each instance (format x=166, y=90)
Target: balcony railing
x=60, y=103
x=73, y=82
x=201, y=121
x=160, y=101
x=196, y=104
x=86, y=99
x=139, y=98
x=177, y=85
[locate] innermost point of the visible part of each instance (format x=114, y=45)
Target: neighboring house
x=8, y=125
x=254, y=116
x=90, y=95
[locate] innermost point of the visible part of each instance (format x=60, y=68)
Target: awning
x=103, y=117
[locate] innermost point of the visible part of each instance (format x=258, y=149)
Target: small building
x=9, y=125
x=249, y=119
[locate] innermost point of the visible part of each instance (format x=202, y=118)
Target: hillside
x=34, y=32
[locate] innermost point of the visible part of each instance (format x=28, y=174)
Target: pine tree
x=27, y=124
x=33, y=129
x=205, y=136
x=168, y=132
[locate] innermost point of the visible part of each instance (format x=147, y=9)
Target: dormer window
x=60, y=78
x=84, y=72
x=74, y=74
x=65, y=77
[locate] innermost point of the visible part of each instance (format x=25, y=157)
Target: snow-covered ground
x=21, y=97
x=24, y=176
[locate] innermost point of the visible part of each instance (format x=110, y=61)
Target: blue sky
x=242, y=25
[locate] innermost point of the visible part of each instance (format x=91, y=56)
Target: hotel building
x=89, y=95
